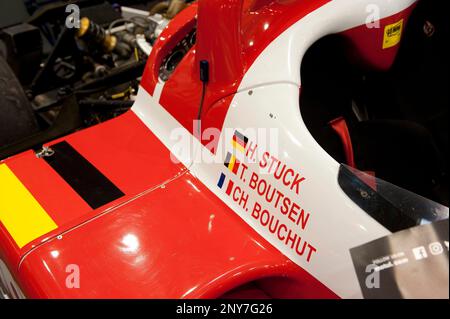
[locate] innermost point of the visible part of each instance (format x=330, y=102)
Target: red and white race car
x=224, y=180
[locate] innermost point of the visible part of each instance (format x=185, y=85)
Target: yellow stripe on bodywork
x=20, y=213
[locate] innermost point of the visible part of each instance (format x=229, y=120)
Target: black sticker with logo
x=412, y=263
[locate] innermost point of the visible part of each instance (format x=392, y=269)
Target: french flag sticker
x=221, y=180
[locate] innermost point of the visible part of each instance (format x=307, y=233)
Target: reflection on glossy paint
x=294, y=139
x=54, y=253
x=189, y=291
x=210, y=223
x=46, y=267
x=258, y=243
x=130, y=243
x=193, y=186
x=140, y=259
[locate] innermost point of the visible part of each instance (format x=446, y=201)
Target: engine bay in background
x=56, y=79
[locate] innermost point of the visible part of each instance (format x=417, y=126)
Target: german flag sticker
x=239, y=141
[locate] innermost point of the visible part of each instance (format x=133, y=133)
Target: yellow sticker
x=20, y=213
x=392, y=34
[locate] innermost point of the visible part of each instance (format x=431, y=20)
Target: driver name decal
x=269, y=194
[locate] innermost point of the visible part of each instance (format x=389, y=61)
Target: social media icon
x=436, y=248
x=420, y=253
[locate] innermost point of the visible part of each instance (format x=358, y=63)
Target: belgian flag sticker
x=232, y=163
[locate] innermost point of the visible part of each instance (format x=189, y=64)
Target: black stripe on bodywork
x=94, y=187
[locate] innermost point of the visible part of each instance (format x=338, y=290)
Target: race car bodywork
x=140, y=215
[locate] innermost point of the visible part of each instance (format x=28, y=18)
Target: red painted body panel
x=219, y=22
x=182, y=93
x=123, y=149
x=179, y=241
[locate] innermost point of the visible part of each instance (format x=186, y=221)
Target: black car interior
x=397, y=120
